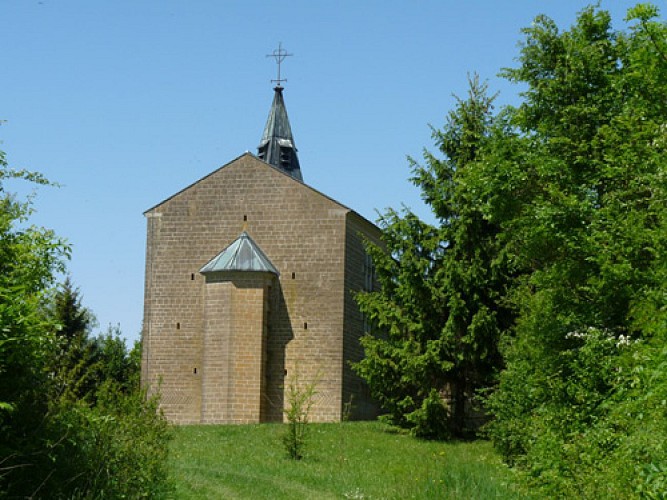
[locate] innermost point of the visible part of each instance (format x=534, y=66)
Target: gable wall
x=301, y=232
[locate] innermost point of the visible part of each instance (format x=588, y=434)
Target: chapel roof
x=243, y=254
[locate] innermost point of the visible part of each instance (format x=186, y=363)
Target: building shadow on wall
x=279, y=334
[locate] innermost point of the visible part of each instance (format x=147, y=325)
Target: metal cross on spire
x=279, y=55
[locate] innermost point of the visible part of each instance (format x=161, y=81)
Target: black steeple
x=277, y=145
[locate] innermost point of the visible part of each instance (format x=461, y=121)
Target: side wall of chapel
x=359, y=276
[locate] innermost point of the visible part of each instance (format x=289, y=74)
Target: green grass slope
x=351, y=460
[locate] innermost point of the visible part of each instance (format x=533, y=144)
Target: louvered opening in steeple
x=262, y=151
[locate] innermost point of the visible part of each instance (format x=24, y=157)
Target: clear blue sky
x=125, y=102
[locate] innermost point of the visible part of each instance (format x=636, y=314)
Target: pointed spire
x=277, y=145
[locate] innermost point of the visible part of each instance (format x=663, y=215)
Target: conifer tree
x=74, y=355
x=437, y=316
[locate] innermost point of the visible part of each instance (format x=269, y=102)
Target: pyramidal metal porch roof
x=243, y=254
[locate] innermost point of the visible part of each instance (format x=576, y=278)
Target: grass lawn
x=359, y=460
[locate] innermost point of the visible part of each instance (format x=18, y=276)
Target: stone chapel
x=250, y=282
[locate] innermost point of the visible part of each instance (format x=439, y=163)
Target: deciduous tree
x=54, y=443
x=587, y=224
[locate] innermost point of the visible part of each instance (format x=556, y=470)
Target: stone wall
x=234, y=347
x=217, y=378
x=359, y=276
x=304, y=234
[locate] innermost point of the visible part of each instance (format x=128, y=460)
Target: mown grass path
x=362, y=460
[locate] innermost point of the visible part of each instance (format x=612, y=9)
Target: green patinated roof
x=243, y=254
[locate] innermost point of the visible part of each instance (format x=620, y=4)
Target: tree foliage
x=82, y=362
x=73, y=352
x=587, y=227
x=437, y=314
x=29, y=258
x=73, y=423
x=550, y=243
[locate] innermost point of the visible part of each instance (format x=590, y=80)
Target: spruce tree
x=437, y=316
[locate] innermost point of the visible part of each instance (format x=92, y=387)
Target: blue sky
x=125, y=102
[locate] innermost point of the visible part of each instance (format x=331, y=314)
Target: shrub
x=300, y=400
x=115, y=449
